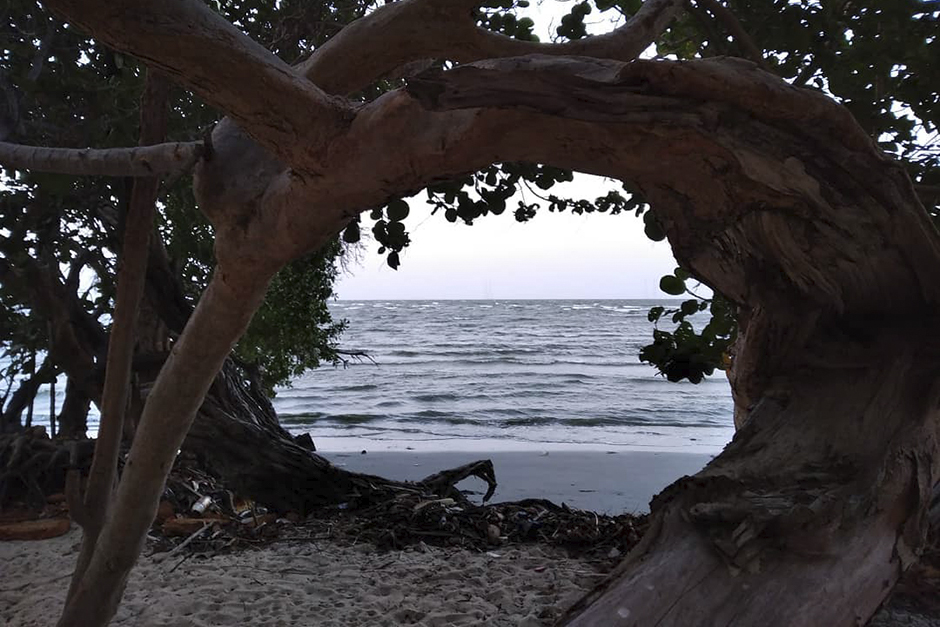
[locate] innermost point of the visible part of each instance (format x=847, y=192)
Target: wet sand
x=606, y=482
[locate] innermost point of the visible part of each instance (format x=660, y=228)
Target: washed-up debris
x=430, y=515
x=40, y=529
x=409, y=519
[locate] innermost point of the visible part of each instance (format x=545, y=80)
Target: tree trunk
x=236, y=434
x=73, y=418
x=23, y=397
x=807, y=518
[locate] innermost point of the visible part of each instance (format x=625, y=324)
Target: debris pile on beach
x=199, y=521
x=209, y=518
x=443, y=522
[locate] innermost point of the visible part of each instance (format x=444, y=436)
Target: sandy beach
x=328, y=583
x=308, y=584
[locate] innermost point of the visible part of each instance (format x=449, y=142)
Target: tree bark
x=131, y=278
x=73, y=417
x=812, y=513
x=772, y=195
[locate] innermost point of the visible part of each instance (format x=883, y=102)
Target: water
x=495, y=375
x=489, y=375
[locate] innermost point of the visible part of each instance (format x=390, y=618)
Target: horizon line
x=335, y=299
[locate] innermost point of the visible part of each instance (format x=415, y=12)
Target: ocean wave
x=550, y=369
x=434, y=398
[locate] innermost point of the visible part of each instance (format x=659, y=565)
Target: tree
x=62, y=87
x=770, y=193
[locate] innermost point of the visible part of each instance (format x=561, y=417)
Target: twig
x=180, y=563
x=159, y=557
x=741, y=37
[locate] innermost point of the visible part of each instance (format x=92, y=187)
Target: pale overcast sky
x=552, y=256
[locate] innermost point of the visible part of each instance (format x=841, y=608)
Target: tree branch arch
x=772, y=195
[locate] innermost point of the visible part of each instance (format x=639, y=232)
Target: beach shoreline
x=334, y=582
x=605, y=481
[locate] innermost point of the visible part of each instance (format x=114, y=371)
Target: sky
x=552, y=256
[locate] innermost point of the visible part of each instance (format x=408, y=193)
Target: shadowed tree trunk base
x=808, y=517
x=237, y=438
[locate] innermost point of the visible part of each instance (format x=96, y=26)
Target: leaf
x=672, y=285
x=652, y=227
x=351, y=233
x=397, y=210
x=689, y=307
x=393, y=260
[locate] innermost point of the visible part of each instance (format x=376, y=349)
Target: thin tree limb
x=400, y=33
x=130, y=288
x=741, y=36
x=150, y=160
x=196, y=47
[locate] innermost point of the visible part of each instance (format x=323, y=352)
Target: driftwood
x=443, y=482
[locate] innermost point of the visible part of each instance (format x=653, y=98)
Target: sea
x=502, y=375
x=490, y=375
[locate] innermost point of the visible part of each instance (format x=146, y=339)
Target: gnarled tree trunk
x=810, y=515
x=771, y=194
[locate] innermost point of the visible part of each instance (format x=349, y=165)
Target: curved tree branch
x=199, y=49
x=141, y=161
x=640, y=121
x=413, y=30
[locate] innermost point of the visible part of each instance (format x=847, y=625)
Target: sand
x=328, y=584
x=308, y=584
x=333, y=585
x=323, y=584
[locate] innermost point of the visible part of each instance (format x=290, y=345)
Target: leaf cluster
x=684, y=352
x=499, y=16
